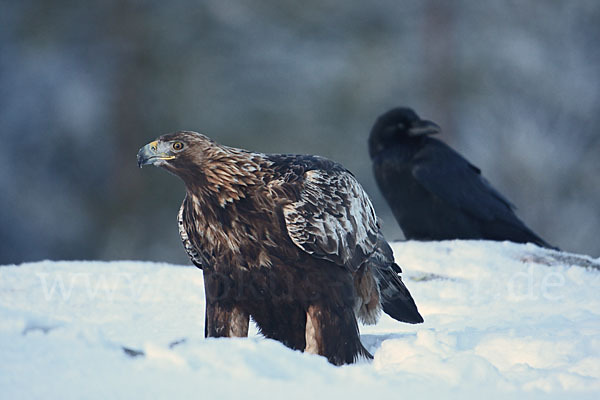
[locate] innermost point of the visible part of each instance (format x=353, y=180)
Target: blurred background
x=515, y=86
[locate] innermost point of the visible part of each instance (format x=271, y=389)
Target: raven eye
x=177, y=146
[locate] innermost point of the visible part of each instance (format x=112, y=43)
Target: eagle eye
x=177, y=146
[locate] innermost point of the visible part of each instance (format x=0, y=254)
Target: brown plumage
x=291, y=241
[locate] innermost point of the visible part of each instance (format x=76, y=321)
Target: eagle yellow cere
x=289, y=240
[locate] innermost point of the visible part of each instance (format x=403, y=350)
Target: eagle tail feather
x=396, y=300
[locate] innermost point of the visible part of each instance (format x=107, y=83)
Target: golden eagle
x=289, y=240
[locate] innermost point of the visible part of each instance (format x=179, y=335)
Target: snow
x=502, y=320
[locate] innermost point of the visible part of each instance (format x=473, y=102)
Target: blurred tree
x=83, y=85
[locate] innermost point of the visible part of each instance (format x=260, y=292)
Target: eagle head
x=176, y=152
x=203, y=164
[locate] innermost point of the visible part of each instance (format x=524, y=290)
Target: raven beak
x=150, y=154
x=423, y=127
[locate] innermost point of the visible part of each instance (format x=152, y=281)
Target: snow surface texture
x=501, y=320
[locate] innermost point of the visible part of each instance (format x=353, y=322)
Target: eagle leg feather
x=333, y=333
x=225, y=321
x=223, y=317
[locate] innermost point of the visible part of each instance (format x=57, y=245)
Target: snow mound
x=501, y=320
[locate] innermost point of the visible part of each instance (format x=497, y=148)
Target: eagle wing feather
x=184, y=222
x=333, y=218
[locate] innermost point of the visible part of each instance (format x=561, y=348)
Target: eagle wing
x=185, y=224
x=333, y=218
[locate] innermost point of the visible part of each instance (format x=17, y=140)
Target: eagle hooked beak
x=423, y=127
x=155, y=153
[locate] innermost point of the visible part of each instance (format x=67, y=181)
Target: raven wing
x=455, y=181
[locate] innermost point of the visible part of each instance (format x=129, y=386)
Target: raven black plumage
x=291, y=241
x=434, y=193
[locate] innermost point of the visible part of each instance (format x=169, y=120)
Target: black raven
x=435, y=193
